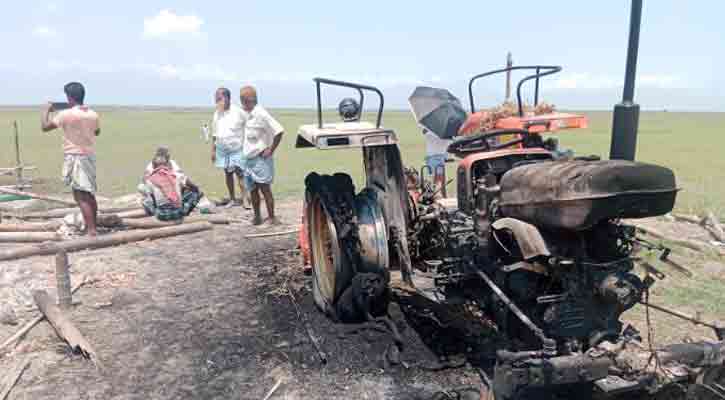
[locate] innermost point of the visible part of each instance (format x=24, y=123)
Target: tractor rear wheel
x=331, y=271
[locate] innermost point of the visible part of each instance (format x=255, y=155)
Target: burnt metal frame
x=541, y=71
x=358, y=87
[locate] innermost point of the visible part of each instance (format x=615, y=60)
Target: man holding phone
x=80, y=127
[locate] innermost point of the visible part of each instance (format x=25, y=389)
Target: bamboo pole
x=112, y=239
x=153, y=222
x=18, y=162
x=27, y=327
x=38, y=196
x=62, y=212
x=63, y=326
x=31, y=227
x=14, y=377
x=62, y=279
x=29, y=237
x=268, y=234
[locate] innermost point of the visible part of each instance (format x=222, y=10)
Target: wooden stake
x=18, y=163
x=28, y=237
x=64, y=327
x=38, y=196
x=14, y=377
x=62, y=278
x=112, y=239
x=27, y=327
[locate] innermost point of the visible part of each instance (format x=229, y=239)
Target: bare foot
x=273, y=221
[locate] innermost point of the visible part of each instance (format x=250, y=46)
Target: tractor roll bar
x=358, y=87
x=541, y=70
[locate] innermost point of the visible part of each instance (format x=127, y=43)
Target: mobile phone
x=59, y=106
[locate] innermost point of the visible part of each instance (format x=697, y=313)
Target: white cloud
x=662, y=81
x=167, y=24
x=44, y=31
x=194, y=72
x=52, y=7
x=591, y=81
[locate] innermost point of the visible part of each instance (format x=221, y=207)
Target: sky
x=175, y=53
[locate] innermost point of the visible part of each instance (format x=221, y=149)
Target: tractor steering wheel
x=480, y=141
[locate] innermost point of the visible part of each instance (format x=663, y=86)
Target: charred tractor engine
x=536, y=241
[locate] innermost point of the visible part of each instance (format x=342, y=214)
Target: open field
x=693, y=144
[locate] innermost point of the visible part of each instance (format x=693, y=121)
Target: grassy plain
x=693, y=144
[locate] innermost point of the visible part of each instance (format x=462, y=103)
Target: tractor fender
x=528, y=237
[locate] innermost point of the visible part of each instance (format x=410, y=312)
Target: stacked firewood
x=510, y=109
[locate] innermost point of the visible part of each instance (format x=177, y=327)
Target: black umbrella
x=437, y=110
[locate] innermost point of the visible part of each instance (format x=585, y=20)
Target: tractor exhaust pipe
x=626, y=113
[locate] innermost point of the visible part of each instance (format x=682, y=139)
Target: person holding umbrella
x=436, y=153
x=441, y=116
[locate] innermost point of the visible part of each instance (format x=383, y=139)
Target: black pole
x=626, y=113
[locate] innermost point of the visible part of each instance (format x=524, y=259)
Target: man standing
x=262, y=135
x=80, y=127
x=227, y=141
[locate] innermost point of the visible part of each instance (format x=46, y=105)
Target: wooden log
x=153, y=222
x=112, y=239
x=29, y=237
x=268, y=234
x=687, y=218
x=38, y=196
x=690, y=244
x=712, y=224
x=62, y=212
x=27, y=327
x=63, y=326
x=31, y=227
x=14, y=377
x=136, y=213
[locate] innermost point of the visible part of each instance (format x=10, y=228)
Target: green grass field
x=693, y=144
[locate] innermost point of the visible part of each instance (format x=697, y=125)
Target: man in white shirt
x=436, y=150
x=227, y=142
x=262, y=135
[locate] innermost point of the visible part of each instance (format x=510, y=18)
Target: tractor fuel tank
x=576, y=194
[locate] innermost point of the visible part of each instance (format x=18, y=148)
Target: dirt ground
x=205, y=316
x=208, y=316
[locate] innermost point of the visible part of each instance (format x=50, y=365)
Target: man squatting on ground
x=80, y=127
x=168, y=193
x=227, y=142
x=262, y=135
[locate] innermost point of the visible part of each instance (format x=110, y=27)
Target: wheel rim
x=372, y=233
x=325, y=250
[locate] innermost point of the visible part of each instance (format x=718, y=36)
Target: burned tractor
x=536, y=240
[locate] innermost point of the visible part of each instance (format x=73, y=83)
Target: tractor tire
x=331, y=270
